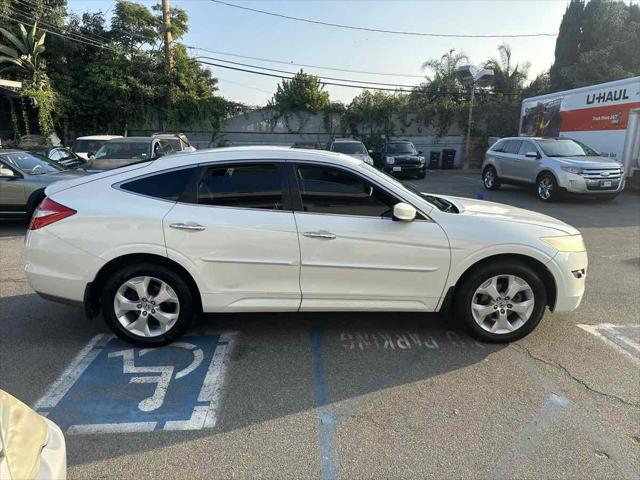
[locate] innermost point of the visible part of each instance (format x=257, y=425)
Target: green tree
x=598, y=42
x=303, y=93
x=370, y=113
x=508, y=78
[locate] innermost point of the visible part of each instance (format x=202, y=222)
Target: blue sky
x=221, y=28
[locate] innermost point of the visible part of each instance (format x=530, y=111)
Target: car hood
x=48, y=178
x=508, y=213
x=588, y=162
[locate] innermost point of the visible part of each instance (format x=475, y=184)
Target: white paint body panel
x=257, y=260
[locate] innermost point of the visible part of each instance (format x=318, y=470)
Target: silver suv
x=553, y=165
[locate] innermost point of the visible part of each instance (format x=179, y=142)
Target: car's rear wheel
x=501, y=302
x=547, y=188
x=490, y=179
x=147, y=304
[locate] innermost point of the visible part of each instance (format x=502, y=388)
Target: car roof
x=132, y=140
x=99, y=137
x=346, y=140
x=253, y=153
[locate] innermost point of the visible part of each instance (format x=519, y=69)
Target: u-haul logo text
x=610, y=96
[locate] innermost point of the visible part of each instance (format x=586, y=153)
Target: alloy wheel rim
x=502, y=304
x=146, y=306
x=544, y=188
x=488, y=179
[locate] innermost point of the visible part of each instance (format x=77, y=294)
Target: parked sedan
x=554, y=166
x=278, y=229
x=23, y=178
x=353, y=148
x=125, y=151
x=87, y=146
x=61, y=155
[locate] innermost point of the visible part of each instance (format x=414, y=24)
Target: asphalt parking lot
x=349, y=395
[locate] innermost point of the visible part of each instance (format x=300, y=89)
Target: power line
x=322, y=77
x=282, y=62
x=380, y=30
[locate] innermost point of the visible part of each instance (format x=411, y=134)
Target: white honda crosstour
x=256, y=229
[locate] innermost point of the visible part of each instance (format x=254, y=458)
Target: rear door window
x=512, y=146
x=242, y=186
x=499, y=147
x=527, y=147
x=166, y=185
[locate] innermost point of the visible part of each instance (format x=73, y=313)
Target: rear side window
x=242, y=186
x=512, y=146
x=167, y=186
x=527, y=147
x=499, y=147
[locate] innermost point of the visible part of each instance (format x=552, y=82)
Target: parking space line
x=326, y=416
x=609, y=334
x=112, y=428
x=72, y=373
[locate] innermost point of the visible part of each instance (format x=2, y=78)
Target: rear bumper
x=569, y=270
x=56, y=269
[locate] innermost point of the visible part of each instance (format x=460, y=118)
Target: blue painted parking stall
x=113, y=387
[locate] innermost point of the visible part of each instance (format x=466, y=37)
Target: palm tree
x=445, y=66
x=24, y=53
x=507, y=78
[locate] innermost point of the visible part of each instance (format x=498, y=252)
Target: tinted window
x=349, y=148
x=124, y=150
x=400, y=147
x=331, y=190
x=167, y=185
x=527, y=147
x=512, y=146
x=31, y=164
x=86, y=146
x=499, y=147
x=243, y=186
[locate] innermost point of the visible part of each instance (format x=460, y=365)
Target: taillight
x=49, y=212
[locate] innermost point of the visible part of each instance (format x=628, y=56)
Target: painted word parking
x=112, y=387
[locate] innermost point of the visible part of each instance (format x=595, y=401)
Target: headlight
x=576, y=170
x=421, y=160
x=566, y=243
x=390, y=160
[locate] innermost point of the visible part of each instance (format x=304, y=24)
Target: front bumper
x=574, y=183
x=403, y=168
x=569, y=270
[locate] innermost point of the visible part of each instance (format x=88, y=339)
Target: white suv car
x=249, y=229
x=553, y=165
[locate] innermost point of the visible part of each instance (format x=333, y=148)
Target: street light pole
x=465, y=164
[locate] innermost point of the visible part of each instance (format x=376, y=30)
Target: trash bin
x=434, y=160
x=448, y=158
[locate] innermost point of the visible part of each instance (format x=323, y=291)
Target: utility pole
x=168, y=47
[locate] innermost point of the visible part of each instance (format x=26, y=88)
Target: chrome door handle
x=321, y=234
x=188, y=226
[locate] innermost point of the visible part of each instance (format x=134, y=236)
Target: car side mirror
x=7, y=173
x=159, y=154
x=531, y=155
x=404, y=212
x=419, y=152
x=370, y=152
x=91, y=154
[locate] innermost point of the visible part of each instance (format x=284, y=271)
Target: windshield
x=88, y=146
x=124, y=150
x=565, y=147
x=31, y=164
x=401, y=147
x=349, y=148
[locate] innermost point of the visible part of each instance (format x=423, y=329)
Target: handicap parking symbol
x=111, y=387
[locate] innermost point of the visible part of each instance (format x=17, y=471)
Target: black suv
x=401, y=157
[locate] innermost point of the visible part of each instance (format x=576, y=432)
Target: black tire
x=422, y=174
x=466, y=291
x=547, y=188
x=175, y=281
x=490, y=178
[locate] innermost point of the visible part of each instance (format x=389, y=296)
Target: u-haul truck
x=606, y=117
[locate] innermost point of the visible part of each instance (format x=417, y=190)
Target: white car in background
x=250, y=229
x=87, y=146
x=353, y=148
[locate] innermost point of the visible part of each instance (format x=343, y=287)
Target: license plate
x=399, y=169
x=605, y=183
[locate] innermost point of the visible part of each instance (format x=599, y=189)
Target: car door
x=237, y=232
x=510, y=159
x=527, y=167
x=354, y=256
x=12, y=192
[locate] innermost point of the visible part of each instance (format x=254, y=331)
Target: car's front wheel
x=490, y=179
x=547, y=188
x=501, y=302
x=147, y=304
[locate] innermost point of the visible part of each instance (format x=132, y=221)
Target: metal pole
x=465, y=164
x=168, y=47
